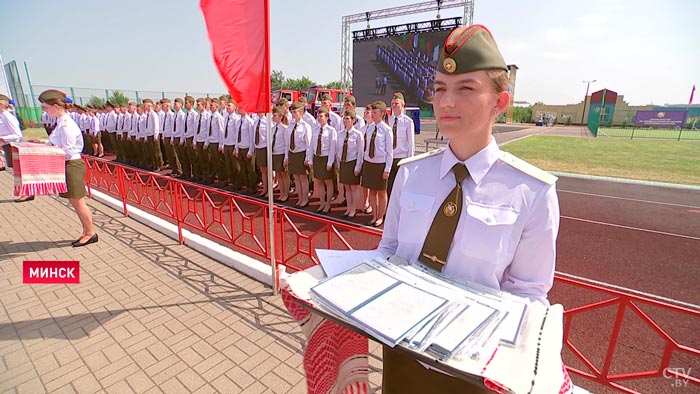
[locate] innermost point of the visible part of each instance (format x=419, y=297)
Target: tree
x=277, y=79
x=298, y=84
x=118, y=97
x=334, y=85
x=522, y=114
x=96, y=101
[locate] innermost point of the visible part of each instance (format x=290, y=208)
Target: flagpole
x=271, y=207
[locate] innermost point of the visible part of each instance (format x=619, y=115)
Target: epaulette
x=527, y=168
x=64, y=123
x=421, y=156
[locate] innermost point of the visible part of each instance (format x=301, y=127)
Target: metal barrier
x=241, y=222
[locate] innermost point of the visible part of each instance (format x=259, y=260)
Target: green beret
x=189, y=99
x=323, y=110
x=4, y=99
x=303, y=100
x=165, y=101
x=351, y=113
x=282, y=101
x=398, y=96
x=468, y=49
x=326, y=97
x=223, y=99
x=131, y=103
x=296, y=105
x=350, y=99
x=178, y=100
x=141, y=106
x=278, y=111
x=215, y=101
x=147, y=101
x=201, y=100
x=122, y=105
x=51, y=94
x=379, y=105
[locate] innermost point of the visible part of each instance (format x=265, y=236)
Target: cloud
x=556, y=34
x=593, y=19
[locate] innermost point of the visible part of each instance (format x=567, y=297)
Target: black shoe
x=92, y=240
x=24, y=199
x=2, y=168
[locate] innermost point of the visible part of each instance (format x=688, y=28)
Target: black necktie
x=442, y=230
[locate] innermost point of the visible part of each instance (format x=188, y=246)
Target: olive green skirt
x=261, y=157
x=75, y=179
x=347, y=173
x=296, y=163
x=372, y=176
x=278, y=162
x=320, y=171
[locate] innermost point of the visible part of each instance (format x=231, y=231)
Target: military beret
x=147, y=101
x=470, y=48
x=4, y=99
x=278, y=111
x=223, y=99
x=326, y=97
x=323, y=110
x=208, y=99
x=51, y=94
x=122, y=105
x=379, y=105
x=131, y=103
x=350, y=99
x=398, y=96
x=109, y=104
x=79, y=108
x=178, y=100
x=200, y=100
x=282, y=101
x=189, y=99
x=351, y=113
x=303, y=100
x=296, y=105
x=165, y=101
x=215, y=101
x=140, y=106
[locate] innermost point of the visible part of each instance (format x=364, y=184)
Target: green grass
x=635, y=133
x=659, y=161
x=35, y=133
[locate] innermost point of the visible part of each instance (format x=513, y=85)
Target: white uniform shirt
x=178, y=127
x=9, y=128
x=84, y=122
x=126, y=124
x=506, y=236
x=383, y=145
x=134, y=130
x=161, y=121
x=68, y=137
x=94, y=125
x=141, y=126
x=359, y=123
x=246, y=130
x=279, y=137
x=110, y=122
x=308, y=118
x=302, y=138
x=405, y=136
x=260, y=128
x=329, y=142
x=231, y=123
x=335, y=120
x=168, y=123
x=152, y=126
x=120, y=124
x=191, y=118
x=356, y=143
x=216, y=128
x=202, y=128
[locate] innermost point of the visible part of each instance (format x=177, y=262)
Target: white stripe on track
x=628, y=290
x=629, y=199
x=632, y=228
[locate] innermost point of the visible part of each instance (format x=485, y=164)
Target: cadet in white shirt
x=152, y=129
x=110, y=123
x=232, y=122
x=201, y=137
x=172, y=144
x=350, y=155
x=9, y=131
x=215, y=140
x=95, y=133
x=141, y=148
x=132, y=136
x=470, y=210
x=350, y=103
x=245, y=153
x=308, y=117
x=121, y=113
x=403, y=132
x=189, y=159
x=260, y=142
x=324, y=143
x=169, y=124
x=280, y=146
x=377, y=162
x=298, y=154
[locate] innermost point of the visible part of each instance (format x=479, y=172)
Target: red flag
x=239, y=31
x=692, y=92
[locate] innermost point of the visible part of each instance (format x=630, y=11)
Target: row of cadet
x=351, y=158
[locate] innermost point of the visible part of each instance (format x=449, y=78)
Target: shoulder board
x=64, y=123
x=421, y=156
x=528, y=168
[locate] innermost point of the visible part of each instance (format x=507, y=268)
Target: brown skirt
x=96, y=139
x=278, y=162
x=347, y=173
x=261, y=157
x=372, y=176
x=75, y=179
x=296, y=163
x=320, y=172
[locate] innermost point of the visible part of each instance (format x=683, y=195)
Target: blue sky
x=642, y=49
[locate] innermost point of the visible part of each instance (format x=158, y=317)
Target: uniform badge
x=450, y=65
x=450, y=209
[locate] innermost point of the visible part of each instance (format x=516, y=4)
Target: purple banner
x=661, y=118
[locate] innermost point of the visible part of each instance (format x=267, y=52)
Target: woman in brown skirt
x=279, y=147
x=379, y=155
x=323, y=142
x=68, y=137
x=297, y=156
x=351, y=143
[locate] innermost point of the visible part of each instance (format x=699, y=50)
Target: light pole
x=588, y=85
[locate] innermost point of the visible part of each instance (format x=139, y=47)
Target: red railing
x=242, y=223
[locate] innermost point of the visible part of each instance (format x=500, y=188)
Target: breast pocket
x=414, y=218
x=488, y=234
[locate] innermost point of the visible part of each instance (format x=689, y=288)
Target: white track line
x=628, y=290
x=632, y=228
x=630, y=199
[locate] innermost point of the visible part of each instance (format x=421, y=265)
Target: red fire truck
x=290, y=95
x=314, y=94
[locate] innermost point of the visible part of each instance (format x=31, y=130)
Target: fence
x=678, y=134
x=241, y=223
